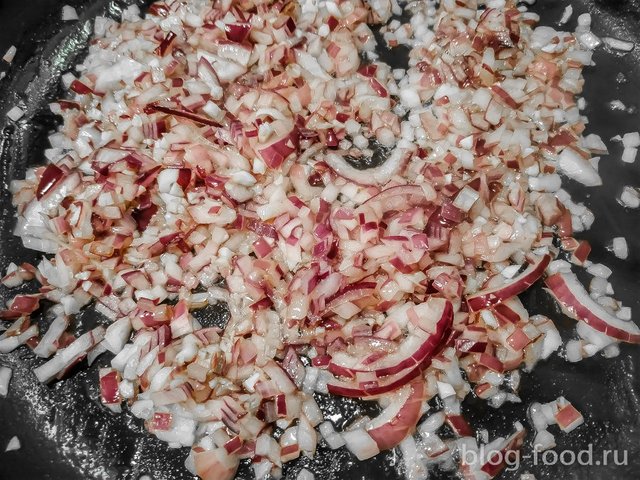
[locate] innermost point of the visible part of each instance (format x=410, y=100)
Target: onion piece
x=361, y=444
x=9, y=54
x=399, y=419
x=568, y=417
x=420, y=347
x=305, y=474
x=620, y=248
x=109, y=392
x=497, y=461
x=617, y=44
x=69, y=13
x=379, y=175
x=577, y=168
x=489, y=297
x=68, y=356
x=400, y=197
x=117, y=335
x=214, y=464
x=5, y=378
x=278, y=151
x=543, y=441
x=576, y=302
x=15, y=113
x=566, y=15
x=376, y=388
x=14, y=444
x=48, y=343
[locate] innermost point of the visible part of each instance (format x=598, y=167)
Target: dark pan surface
x=66, y=434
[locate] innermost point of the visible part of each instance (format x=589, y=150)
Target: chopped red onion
x=568, y=417
x=579, y=169
x=15, y=114
x=360, y=443
x=620, y=247
x=5, y=378
x=543, y=441
x=629, y=154
x=305, y=474
x=69, y=13
x=629, y=197
x=617, y=44
x=566, y=15
x=9, y=54
x=69, y=356
x=48, y=344
x=14, y=444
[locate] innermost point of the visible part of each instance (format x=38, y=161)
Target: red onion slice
x=50, y=177
x=400, y=198
x=486, y=298
x=375, y=388
x=576, y=302
x=380, y=175
x=414, y=351
x=400, y=418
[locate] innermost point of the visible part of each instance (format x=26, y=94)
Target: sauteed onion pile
x=368, y=228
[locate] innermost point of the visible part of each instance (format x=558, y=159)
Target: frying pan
x=66, y=433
